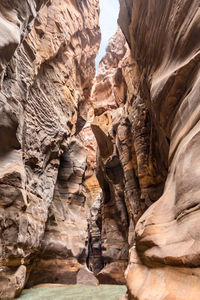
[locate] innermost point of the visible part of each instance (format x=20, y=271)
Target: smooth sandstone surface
x=164, y=41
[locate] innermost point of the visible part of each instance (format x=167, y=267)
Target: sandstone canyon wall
x=132, y=162
x=144, y=113
x=147, y=127
x=47, y=51
x=163, y=109
x=108, y=96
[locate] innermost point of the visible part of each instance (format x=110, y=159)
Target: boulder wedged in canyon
x=86, y=277
x=164, y=40
x=47, y=51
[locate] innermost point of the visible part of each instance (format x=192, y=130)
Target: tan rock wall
x=46, y=81
x=146, y=123
x=163, y=37
x=108, y=97
x=132, y=157
x=146, y=127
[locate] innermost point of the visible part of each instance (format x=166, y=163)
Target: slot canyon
x=100, y=170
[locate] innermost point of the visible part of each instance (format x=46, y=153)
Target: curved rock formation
x=108, y=99
x=47, y=67
x=165, y=47
x=144, y=112
x=132, y=164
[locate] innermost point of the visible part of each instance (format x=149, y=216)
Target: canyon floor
x=75, y=292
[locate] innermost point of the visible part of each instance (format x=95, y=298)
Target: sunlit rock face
x=165, y=48
x=47, y=51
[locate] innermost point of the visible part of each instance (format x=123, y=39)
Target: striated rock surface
x=132, y=157
x=61, y=210
x=163, y=108
x=93, y=195
x=47, y=51
x=64, y=245
x=108, y=96
x=16, y=20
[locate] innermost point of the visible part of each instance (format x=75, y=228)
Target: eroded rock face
x=132, y=158
x=46, y=81
x=163, y=36
x=64, y=245
x=146, y=125
x=93, y=195
x=16, y=20
x=108, y=99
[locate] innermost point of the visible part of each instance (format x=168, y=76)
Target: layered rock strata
x=146, y=127
x=164, y=93
x=145, y=102
x=93, y=195
x=132, y=155
x=47, y=53
x=108, y=98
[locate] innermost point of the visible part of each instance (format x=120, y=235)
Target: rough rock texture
x=16, y=20
x=95, y=259
x=93, y=195
x=108, y=99
x=64, y=245
x=53, y=217
x=163, y=108
x=45, y=84
x=132, y=157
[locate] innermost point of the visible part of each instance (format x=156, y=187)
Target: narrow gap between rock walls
x=109, y=11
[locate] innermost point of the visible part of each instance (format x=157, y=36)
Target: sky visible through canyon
x=109, y=10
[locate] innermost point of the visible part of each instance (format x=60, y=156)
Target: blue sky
x=109, y=10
